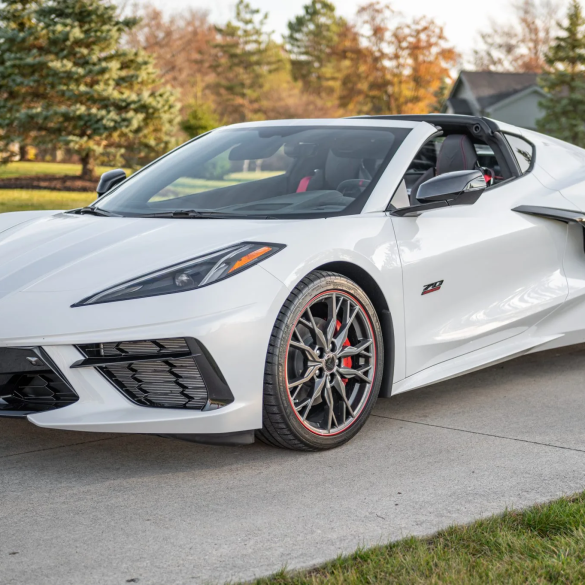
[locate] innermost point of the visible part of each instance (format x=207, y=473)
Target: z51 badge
x=434, y=287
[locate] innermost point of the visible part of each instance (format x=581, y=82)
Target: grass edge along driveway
x=543, y=544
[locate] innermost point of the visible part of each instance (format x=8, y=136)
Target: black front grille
x=160, y=373
x=28, y=382
x=40, y=392
x=173, y=383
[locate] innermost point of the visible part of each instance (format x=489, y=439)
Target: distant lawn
x=544, y=544
x=24, y=200
x=28, y=169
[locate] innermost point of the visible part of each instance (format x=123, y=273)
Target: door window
x=425, y=163
x=523, y=151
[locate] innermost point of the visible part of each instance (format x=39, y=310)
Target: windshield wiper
x=93, y=211
x=194, y=214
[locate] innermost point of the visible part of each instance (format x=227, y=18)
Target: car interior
x=458, y=147
x=310, y=171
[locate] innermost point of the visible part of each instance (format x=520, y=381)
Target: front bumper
x=236, y=336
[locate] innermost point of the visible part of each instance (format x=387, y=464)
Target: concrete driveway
x=105, y=509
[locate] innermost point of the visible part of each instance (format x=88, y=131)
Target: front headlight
x=188, y=275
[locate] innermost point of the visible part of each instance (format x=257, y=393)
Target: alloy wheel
x=330, y=364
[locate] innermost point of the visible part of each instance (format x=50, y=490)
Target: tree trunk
x=88, y=166
x=22, y=151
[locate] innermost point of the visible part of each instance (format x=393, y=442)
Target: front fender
x=366, y=241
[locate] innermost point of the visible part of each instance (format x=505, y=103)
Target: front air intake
x=157, y=347
x=160, y=373
x=30, y=382
x=172, y=383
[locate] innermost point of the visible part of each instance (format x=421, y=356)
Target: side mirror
x=462, y=186
x=109, y=180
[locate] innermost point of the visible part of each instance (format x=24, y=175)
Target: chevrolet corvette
x=271, y=280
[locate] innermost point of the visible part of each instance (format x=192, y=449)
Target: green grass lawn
x=28, y=169
x=24, y=200
x=544, y=544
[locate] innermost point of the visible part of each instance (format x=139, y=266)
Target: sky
x=462, y=19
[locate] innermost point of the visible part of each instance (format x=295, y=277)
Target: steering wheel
x=353, y=187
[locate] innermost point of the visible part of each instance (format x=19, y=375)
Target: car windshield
x=262, y=171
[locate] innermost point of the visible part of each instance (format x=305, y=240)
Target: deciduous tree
x=182, y=46
x=521, y=45
x=399, y=66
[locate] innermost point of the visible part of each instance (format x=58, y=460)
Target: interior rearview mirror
x=456, y=187
x=109, y=180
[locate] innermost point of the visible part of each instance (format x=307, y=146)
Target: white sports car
x=272, y=279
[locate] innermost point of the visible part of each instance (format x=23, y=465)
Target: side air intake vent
x=157, y=347
x=160, y=373
x=30, y=383
x=36, y=393
x=168, y=384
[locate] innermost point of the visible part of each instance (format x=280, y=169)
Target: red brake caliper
x=347, y=362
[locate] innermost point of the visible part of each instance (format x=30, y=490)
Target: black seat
x=337, y=171
x=457, y=154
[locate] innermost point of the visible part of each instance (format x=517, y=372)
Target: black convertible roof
x=486, y=126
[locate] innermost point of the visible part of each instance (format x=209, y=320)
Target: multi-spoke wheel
x=324, y=365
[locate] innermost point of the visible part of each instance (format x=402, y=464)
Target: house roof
x=460, y=106
x=490, y=87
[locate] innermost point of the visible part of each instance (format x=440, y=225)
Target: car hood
x=65, y=252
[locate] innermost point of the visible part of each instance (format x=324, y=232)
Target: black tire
x=332, y=406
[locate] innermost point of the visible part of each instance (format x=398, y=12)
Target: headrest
x=457, y=154
x=339, y=169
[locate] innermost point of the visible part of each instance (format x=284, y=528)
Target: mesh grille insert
x=35, y=392
x=163, y=382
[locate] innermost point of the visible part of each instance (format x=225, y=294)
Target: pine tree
x=313, y=42
x=200, y=119
x=16, y=61
x=70, y=82
x=245, y=58
x=564, y=81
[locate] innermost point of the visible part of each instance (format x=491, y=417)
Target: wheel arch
x=369, y=285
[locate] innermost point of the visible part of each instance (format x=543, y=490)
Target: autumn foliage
x=92, y=79
x=377, y=63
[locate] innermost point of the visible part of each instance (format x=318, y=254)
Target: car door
x=475, y=275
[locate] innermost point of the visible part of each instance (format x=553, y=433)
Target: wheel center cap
x=330, y=363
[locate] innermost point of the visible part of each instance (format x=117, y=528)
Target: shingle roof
x=460, y=106
x=490, y=87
